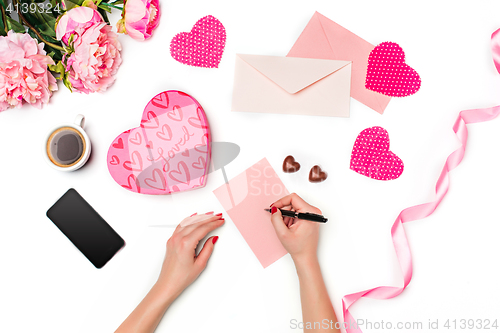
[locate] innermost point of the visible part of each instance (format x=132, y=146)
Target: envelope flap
x=293, y=74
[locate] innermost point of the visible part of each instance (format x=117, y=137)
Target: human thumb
x=206, y=252
x=278, y=224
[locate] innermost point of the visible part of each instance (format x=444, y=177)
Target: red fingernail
x=271, y=204
x=220, y=214
x=274, y=210
x=221, y=219
x=193, y=214
x=209, y=213
x=214, y=240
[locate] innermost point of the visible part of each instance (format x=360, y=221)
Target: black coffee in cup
x=65, y=147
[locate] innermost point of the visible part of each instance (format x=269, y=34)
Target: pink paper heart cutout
x=388, y=73
x=203, y=46
x=158, y=156
x=371, y=156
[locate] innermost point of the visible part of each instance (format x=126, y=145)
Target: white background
x=46, y=285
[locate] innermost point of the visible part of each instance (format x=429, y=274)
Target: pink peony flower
x=23, y=72
x=139, y=18
x=76, y=21
x=96, y=50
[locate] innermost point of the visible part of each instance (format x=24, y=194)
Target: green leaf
x=57, y=54
x=72, y=3
x=14, y=25
x=57, y=8
x=53, y=53
x=32, y=34
x=68, y=84
x=63, y=74
x=3, y=17
x=51, y=39
x=103, y=7
x=42, y=22
x=2, y=28
x=59, y=68
x=103, y=13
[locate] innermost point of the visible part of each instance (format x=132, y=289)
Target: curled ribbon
x=422, y=211
x=495, y=48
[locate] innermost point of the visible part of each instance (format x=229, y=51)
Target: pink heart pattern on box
x=169, y=152
x=203, y=46
x=388, y=73
x=371, y=156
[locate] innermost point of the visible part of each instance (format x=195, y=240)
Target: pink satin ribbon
x=422, y=211
x=495, y=48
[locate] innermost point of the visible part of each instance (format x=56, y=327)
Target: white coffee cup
x=74, y=146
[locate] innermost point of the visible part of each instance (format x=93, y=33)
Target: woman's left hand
x=180, y=268
x=181, y=265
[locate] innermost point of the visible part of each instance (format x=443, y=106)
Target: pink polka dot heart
x=203, y=46
x=372, y=158
x=388, y=73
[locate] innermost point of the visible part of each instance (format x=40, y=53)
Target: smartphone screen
x=86, y=229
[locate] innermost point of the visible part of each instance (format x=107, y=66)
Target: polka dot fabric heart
x=371, y=156
x=203, y=46
x=388, y=73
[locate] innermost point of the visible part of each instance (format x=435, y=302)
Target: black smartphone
x=85, y=228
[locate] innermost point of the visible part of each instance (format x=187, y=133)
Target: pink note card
x=245, y=198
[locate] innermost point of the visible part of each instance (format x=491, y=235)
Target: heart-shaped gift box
x=169, y=152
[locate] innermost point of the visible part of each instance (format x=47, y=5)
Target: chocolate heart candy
x=289, y=165
x=316, y=175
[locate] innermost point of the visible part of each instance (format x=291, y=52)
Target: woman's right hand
x=299, y=237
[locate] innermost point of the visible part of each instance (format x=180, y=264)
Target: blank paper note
x=244, y=199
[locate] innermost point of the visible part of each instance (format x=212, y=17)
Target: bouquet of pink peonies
x=42, y=41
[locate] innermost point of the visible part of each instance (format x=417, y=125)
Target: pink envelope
x=245, y=198
x=286, y=85
x=324, y=39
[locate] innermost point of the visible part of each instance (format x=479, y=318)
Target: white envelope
x=289, y=85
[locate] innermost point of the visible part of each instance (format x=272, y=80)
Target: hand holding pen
x=301, y=216
x=299, y=237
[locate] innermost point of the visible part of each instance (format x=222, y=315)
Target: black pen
x=303, y=216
